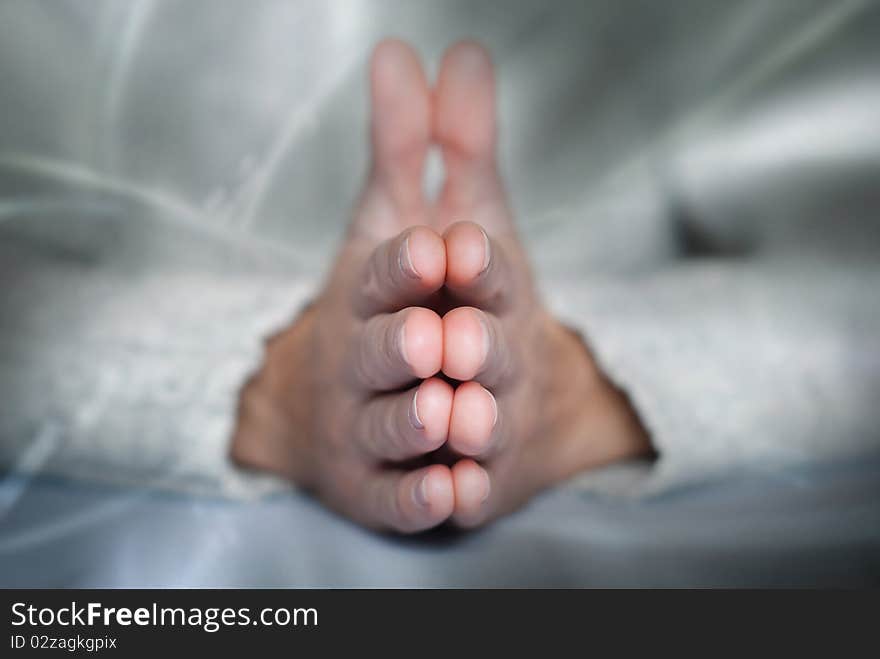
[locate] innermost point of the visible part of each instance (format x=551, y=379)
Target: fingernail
x=488, y=487
x=420, y=493
x=404, y=258
x=414, y=413
x=401, y=338
x=494, y=407
x=486, y=338
x=487, y=251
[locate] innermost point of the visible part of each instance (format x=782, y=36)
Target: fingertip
x=393, y=61
x=465, y=92
x=422, y=342
x=469, y=57
x=432, y=408
x=434, y=493
x=423, y=256
x=465, y=343
x=423, y=499
x=472, y=486
x=473, y=419
x=400, y=114
x=468, y=253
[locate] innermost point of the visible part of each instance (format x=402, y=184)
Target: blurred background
x=244, y=122
x=229, y=137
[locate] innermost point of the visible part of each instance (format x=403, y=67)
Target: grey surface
x=804, y=527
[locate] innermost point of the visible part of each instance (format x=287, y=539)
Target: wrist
x=272, y=427
x=593, y=421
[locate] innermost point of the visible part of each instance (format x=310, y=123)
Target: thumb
x=400, y=133
x=465, y=128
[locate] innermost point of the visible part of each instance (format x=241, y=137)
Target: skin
x=427, y=382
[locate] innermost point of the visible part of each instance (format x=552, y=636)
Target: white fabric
x=727, y=365
x=739, y=366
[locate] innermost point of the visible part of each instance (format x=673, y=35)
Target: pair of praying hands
x=427, y=382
